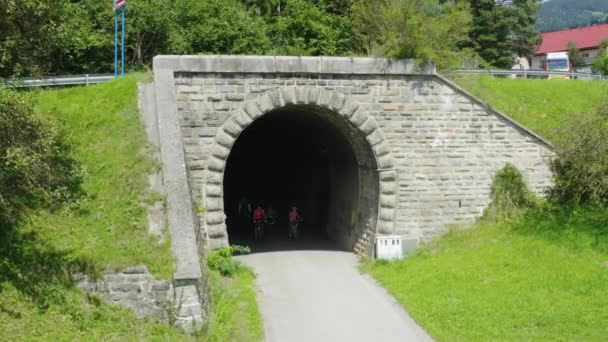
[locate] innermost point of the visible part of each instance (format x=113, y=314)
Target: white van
x=557, y=61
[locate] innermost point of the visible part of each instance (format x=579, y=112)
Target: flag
x=118, y=4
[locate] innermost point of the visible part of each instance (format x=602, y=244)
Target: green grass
x=104, y=229
x=108, y=225
x=538, y=104
x=235, y=314
x=540, y=278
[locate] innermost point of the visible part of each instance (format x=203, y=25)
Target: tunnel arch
x=338, y=110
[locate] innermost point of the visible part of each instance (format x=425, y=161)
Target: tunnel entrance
x=307, y=157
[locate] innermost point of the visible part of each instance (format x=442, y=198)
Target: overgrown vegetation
x=85, y=137
x=424, y=30
x=581, y=169
x=40, y=37
x=36, y=167
x=510, y=195
x=235, y=315
x=102, y=226
x=222, y=262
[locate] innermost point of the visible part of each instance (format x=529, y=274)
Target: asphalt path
x=309, y=291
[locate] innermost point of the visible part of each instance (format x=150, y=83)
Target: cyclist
x=259, y=217
x=294, y=218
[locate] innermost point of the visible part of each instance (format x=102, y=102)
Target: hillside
x=538, y=104
x=104, y=228
x=561, y=14
x=541, y=275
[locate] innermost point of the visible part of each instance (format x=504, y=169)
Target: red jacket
x=259, y=215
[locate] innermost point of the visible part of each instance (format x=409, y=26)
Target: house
x=588, y=40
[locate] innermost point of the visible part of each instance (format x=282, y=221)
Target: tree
x=501, y=32
x=304, y=28
x=574, y=53
x=426, y=30
x=40, y=36
x=218, y=26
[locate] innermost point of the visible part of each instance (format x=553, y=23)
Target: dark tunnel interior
x=293, y=156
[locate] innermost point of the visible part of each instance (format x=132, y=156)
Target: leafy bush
x=510, y=195
x=426, y=30
x=581, y=169
x=222, y=262
x=601, y=65
x=35, y=164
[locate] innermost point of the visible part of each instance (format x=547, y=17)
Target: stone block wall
x=135, y=288
x=446, y=145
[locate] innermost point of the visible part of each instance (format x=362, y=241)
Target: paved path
x=319, y=295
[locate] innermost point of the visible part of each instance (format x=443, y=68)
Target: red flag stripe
x=118, y=4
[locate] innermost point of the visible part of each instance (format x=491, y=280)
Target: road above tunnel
x=309, y=294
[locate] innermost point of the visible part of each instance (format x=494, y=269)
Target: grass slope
x=108, y=225
x=543, y=278
x=538, y=104
x=105, y=228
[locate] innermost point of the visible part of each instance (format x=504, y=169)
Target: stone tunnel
x=365, y=146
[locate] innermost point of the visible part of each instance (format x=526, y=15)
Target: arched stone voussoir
x=368, y=126
x=375, y=138
x=241, y=118
x=337, y=101
x=231, y=127
x=264, y=102
x=349, y=108
x=213, y=204
x=301, y=95
x=219, y=151
x=359, y=117
x=224, y=139
x=313, y=95
x=276, y=97
x=217, y=165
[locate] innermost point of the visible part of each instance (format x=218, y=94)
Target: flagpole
x=122, y=45
x=115, y=43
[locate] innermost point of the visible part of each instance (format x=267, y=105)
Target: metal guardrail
x=532, y=73
x=86, y=79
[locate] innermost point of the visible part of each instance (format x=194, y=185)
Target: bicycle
x=258, y=230
x=294, y=230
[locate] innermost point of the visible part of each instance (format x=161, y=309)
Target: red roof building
x=589, y=37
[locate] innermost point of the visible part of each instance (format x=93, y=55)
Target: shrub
x=222, y=262
x=35, y=164
x=510, y=195
x=601, y=65
x=581, y=169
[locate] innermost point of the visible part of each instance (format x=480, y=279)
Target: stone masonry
x=436, y=147
x=426, y=153
x=135, y=288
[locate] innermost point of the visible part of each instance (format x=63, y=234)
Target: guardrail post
x=87, y=79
